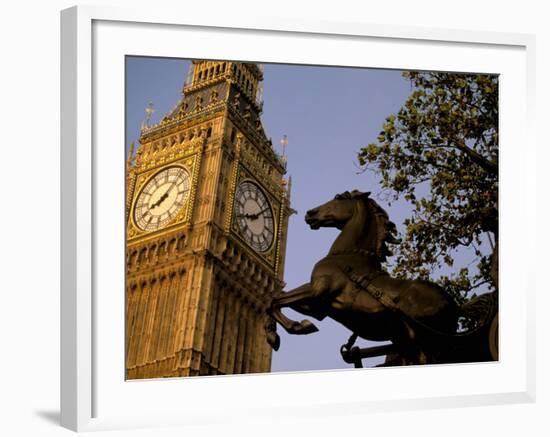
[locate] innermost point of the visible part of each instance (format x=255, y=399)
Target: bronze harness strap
x=365, y=283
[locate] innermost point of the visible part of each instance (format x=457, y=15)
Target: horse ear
x=356, y=194
x=343, y=196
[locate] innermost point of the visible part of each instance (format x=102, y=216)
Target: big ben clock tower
x=207, y=212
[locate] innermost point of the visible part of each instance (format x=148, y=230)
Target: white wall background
x=29, y=216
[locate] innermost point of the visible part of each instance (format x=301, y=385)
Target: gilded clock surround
x=255, y=226
x=270, y=255
x=190, y=163
x=197, y=294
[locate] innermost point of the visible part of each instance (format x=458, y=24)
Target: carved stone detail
x=196, y=295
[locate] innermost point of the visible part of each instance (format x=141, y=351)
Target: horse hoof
x=274, y=340
x=305, y=327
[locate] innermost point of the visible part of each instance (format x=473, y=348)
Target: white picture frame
x=94, y=394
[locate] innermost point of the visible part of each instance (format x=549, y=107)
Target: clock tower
x=207, y=210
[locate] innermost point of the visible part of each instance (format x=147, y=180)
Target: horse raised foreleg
x=292, y=298
x=292, y=326
x=289, y=297
x=305, y=292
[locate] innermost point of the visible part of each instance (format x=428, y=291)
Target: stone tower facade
x=207, y=213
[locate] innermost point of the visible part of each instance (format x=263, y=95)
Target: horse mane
x=385, y=230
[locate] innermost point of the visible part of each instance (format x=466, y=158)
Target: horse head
x=366, y=224
x=336, y=212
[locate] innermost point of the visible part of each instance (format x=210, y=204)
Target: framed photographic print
x=199, y=162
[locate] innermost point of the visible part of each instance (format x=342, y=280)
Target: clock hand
x=171, y=186
x=158, y=202
x=246, y=215
x=164, y=196
x=257, y=215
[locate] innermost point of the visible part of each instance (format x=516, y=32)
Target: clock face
x=162, y=198
x=254, y=216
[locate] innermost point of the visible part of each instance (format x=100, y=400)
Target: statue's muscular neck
x=354, y=236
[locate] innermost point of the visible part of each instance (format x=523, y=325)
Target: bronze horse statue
x=350, y=286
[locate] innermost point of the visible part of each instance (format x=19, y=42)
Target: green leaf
x=451, y=194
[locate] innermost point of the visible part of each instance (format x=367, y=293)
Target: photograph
x=284, y=218
x=279, y=219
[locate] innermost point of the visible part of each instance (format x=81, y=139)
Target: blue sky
x=328, y=114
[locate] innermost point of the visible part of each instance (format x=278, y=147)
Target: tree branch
x=488, y=166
